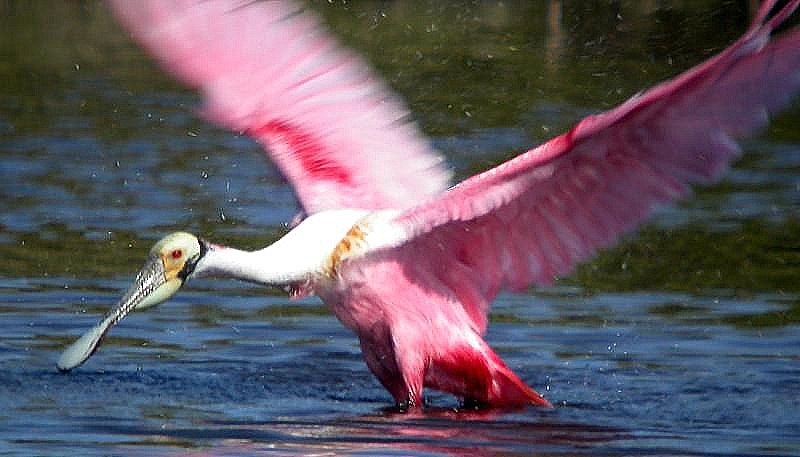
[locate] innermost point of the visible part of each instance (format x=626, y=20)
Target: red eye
x=176, y=254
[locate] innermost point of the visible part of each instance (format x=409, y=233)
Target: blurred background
x=683, y=339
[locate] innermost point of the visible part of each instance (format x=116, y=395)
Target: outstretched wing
x=266, y=68
x=537, y=215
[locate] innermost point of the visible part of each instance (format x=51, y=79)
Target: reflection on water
x=684, y=340
x=385, y=435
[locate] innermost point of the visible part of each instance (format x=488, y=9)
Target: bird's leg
x=412, y=399
x=408, y=405
x=379, y=355
x=401, y=371
x=473, y=404
x=412, y=363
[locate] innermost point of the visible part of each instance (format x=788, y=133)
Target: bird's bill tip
x=81, y=349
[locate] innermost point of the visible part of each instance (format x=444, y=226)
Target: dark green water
x=683, y=340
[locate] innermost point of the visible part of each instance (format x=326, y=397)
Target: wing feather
x=556, y=205
x=268, y=69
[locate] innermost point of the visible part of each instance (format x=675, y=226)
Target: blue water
x=685, y=340
x=235, y=373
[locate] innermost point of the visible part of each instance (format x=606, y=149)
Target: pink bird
x=408, y=264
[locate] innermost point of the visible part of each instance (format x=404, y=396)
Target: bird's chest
x=361, y=295
x=348, y=303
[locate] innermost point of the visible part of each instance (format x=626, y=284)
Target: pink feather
x=266, y=68
x=554, y=206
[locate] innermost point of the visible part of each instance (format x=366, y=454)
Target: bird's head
x=170, y=262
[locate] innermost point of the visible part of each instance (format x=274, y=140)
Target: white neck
x=296, y=257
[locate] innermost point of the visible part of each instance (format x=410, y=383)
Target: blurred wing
x=266, y=68
x=537, y=215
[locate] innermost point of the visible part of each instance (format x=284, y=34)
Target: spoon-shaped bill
x=149, y=288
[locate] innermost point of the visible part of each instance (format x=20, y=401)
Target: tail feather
x=507, y=389
x=480, y=377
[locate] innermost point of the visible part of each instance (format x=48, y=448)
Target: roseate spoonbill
x=406, y=263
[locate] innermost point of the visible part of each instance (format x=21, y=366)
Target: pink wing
x=268, y=69
x=537, y=215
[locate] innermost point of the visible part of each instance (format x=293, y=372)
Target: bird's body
x=404, y=261
x=414, y=330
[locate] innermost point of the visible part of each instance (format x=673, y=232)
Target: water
x=683, y=340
